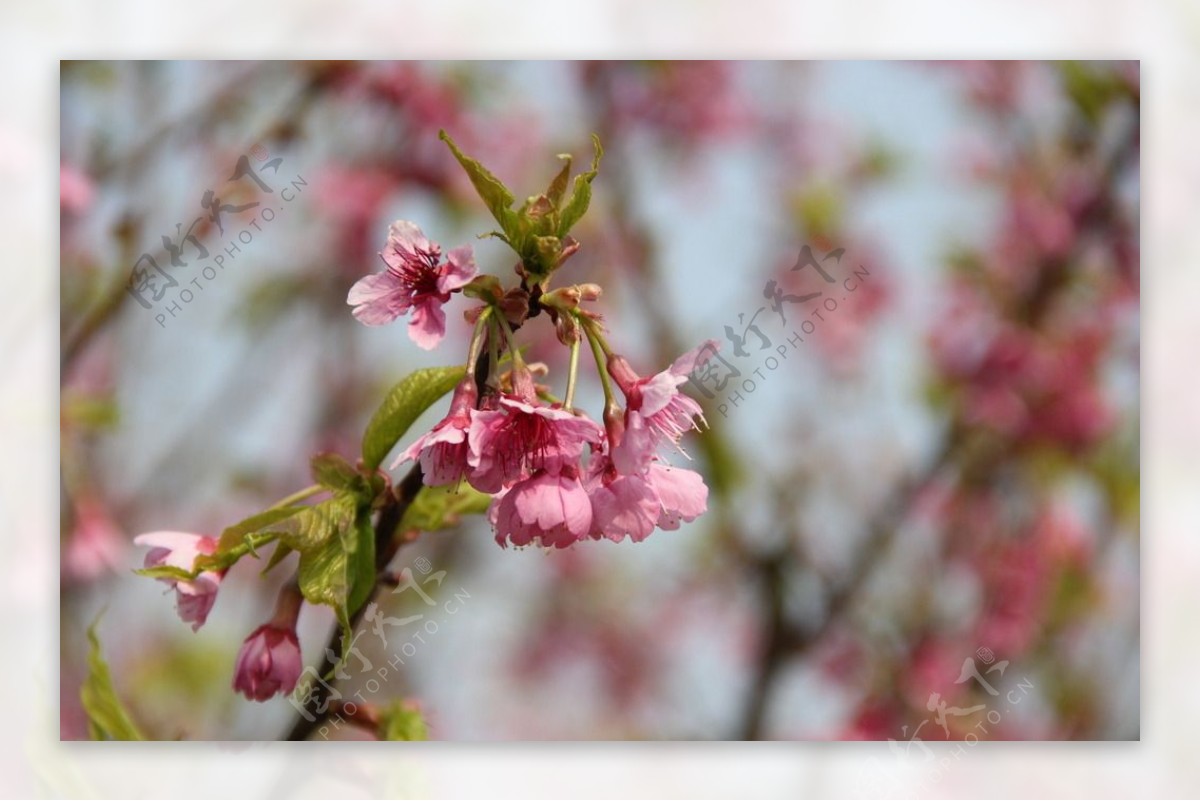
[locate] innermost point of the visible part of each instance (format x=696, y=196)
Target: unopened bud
x=565, y=298
x=567, y=329
x=590, y=292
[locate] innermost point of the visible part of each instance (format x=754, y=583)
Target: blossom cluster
x=529, y=455
x=554, y=475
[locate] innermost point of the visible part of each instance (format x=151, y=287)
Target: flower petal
x=686, y=364
x=379, y=298
x=428, y=324
x=458, y=270
x=682, y=493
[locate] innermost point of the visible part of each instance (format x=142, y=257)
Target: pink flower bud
x=268, y=663
x=590, y=292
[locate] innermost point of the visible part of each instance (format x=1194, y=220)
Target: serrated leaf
x=332, y=471
x=581, y=196
x=401, y=720
x=436, y=508
x=316, y=525
x=496, y=196
x=245, y=537
x=340, y=573
x=107, y=718
x=235, y=536
x=405, y=402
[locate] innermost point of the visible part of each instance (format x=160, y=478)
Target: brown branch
x=783, y=640
x=386, y=546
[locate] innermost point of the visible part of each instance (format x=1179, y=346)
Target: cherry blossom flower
x=510, y=443
x=194, y=598
x=443, y=451
x=269, y=662
x=656, y=410
x=634, y=504
x=415, y=280
x=681, y=492
x=553, y=511
x=622, y=505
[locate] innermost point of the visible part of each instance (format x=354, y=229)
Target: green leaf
x=360, y=569
x=320, y=523
x=282, y=549
x=558, y=187
x=165, y=572
x=401, y=720
x=107, y=718
x=581, y=196
x=340, y=573
x=404, y=404
x=436, y=508
x=244, y=538
x=235, y=536
x=332, y=471
x=494, y=193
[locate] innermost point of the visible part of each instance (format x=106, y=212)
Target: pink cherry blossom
x=545, y=509
x=656, y=410
x=622, y=504
x=194, y=598
x=510, y=443
x=681, y=493
x=415, y=280
x=443, y=451
x=633, y=504
x=269, y=662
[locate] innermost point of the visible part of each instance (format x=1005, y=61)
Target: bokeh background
x=943, y=473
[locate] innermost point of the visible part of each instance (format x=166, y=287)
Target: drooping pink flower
x=623, y=505
x=443, y=451
x=269, y=662
x=552, y=511
x=633, y=504
x=681, y=493
x=656, y=411
x=510, y=443
x=194, y=598
x=415, y=280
